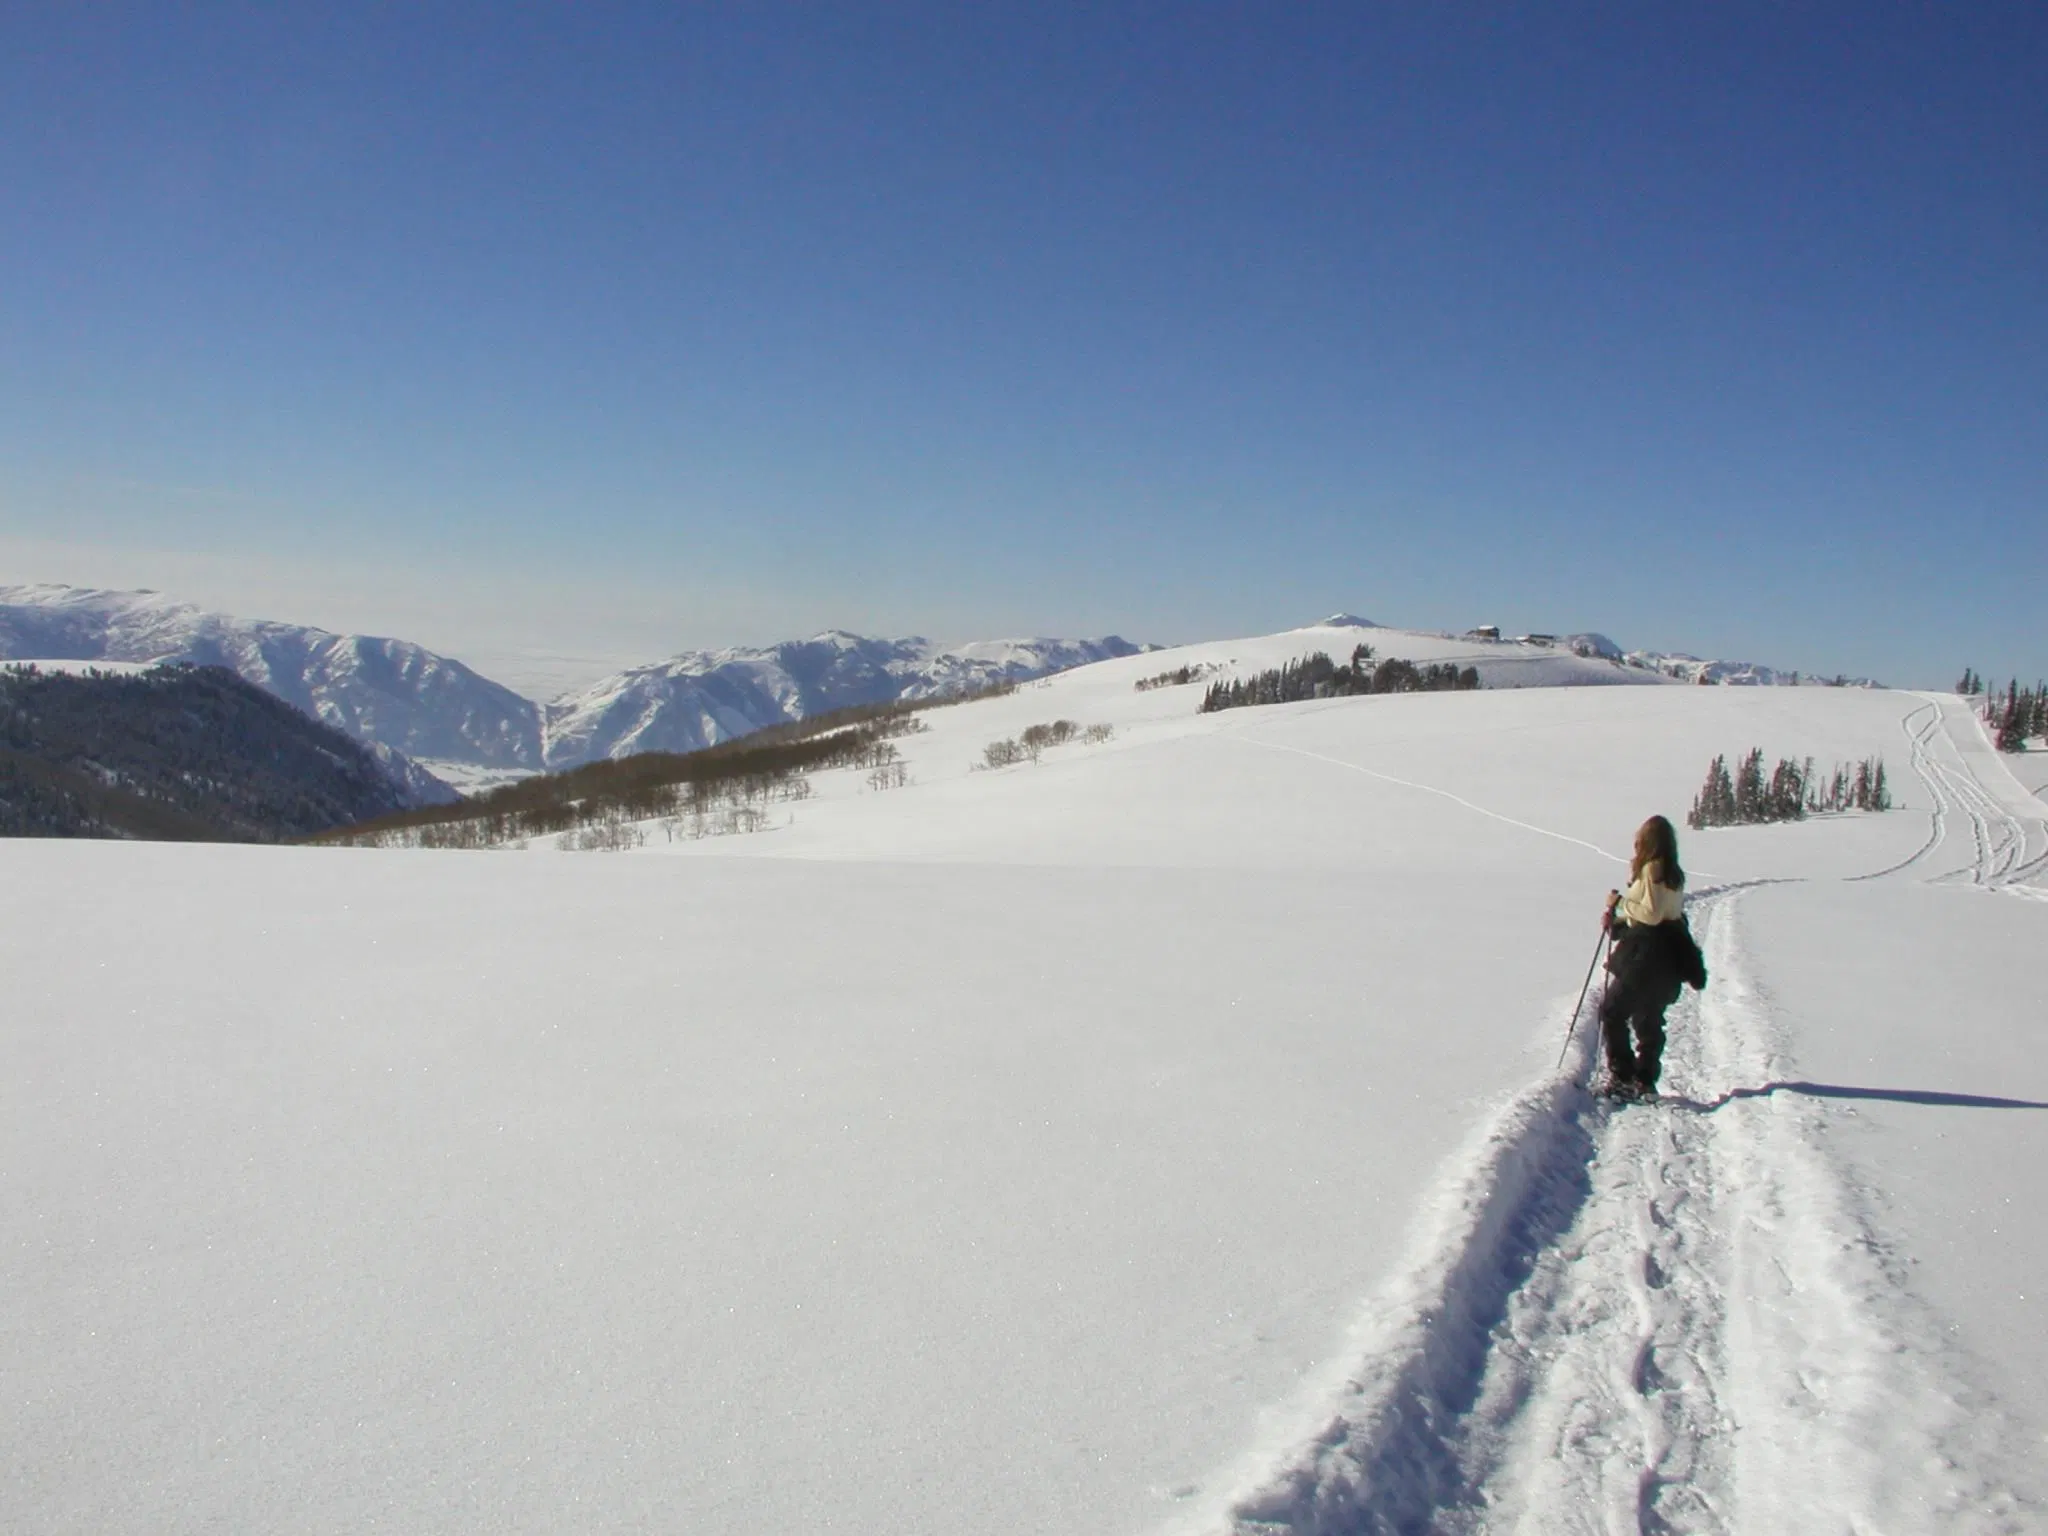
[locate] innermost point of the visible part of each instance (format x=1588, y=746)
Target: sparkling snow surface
x=1163, y=1136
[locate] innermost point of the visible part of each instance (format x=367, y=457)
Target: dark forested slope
x=175, y=752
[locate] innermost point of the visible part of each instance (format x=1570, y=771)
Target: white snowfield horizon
x=472, y=733
x=1162, y=1137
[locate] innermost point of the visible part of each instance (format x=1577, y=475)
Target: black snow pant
x=1621, y=1015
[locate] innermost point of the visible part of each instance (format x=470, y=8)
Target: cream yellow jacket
x=1647, y=902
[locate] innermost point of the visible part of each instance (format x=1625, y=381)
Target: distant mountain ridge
x=1747, y=674
x=426, y=714
x=703, y=697
x=410, y=702
x=390, y=693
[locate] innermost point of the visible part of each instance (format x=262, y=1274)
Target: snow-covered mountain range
x=415, y=707
x=702, y=697
x=389, y=693
x=405, y=699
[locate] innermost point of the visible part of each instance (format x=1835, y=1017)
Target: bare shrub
x=1036, y=738
x=611, y=835
x=716, y=821
x=1175, y=678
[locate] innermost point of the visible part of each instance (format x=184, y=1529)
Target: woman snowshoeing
x=1653, y=956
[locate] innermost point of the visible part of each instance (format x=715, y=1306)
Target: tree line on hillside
x=177, y=752
x=1316, y=676
x=1791, y=792
x=721, y=788
x=1031, y=742
x=1178, y=677
x=2013, y=717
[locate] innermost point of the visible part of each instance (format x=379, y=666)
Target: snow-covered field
x=2031, y=768
x=1164, y=1136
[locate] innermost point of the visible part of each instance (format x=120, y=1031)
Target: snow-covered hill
x=388, y=693
x=1164, y=1136
x=703, y=697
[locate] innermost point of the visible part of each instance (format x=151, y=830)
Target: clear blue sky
x=611, y=329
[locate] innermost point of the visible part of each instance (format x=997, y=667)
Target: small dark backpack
x=1654, y=961
x=1690, y=964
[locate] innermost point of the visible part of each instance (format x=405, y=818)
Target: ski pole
x=1573, y=1028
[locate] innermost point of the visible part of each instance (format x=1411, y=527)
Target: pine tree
x=2012, y=735
x=1715, y=806
x=1785, y=800
x=1749, y=788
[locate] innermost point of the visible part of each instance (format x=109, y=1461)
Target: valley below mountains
x=470, y=731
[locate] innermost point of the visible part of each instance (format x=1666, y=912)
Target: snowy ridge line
x=1376, y=1448
x=1427, y=789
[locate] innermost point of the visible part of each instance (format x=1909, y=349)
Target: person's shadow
x=1842, y=1091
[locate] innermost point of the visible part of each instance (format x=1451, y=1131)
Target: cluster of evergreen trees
x=2013, y=718
x=178, y=752
x=1791, y=792
x=1317, y=677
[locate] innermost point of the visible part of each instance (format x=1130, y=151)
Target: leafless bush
x=890, y=776
x=717, y=821
x=613, y=834
x=1176, y=677
x=1054, y=733
x=1033, y=740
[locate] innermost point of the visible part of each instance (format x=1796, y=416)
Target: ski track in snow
x=1427, y=789
x=1676, y=1317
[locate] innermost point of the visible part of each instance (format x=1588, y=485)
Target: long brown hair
x=1657, y=843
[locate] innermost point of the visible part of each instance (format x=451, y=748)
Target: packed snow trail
x=1678, y=1316
x=1718, y=1343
